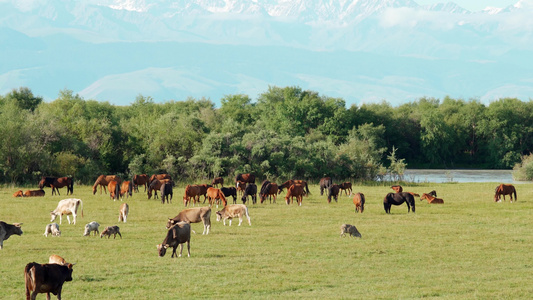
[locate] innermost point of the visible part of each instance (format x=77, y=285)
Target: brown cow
x=431, y=199
x=217, y=181
x=193, y=215
x=359, y=202
x=46, y=278
x=213, y=194
x=140, y=179
x=34, y=193
x=103, y=181
x=295, y=190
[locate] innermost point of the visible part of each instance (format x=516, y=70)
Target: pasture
x=468, y=247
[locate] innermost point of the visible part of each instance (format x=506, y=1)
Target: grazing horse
x=156, y=186
x=166, y=191
x=268, y=189
x=230, y=191
x=241, y=186
x=325, y=183
x=398, y=199
x=126, y=188
x=397, y=188
x=103, y=181
x=295, y=190
x=248, y=178
x=215, y=194
x=191, y=191
x=56, y=183
x=346, y=186
x=505, y=189
x=333, y=191
x=203, y=190
x=431, y=199
x=251, y=190
x=290, y=182
x=158, y=177
x=140, y=179
x=114, y=190
x=217, y=181
x=359, y=202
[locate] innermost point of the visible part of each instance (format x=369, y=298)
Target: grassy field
x=470, y=247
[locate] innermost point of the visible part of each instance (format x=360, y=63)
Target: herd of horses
x=245, y=187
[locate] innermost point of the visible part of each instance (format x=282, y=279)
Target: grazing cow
x=268, y=189
x=231, y=211
x=359, y=202
x=325, y=183
x=178, y=234
x=56, y=183
x=346, y=186
x=34, y=193
x=93, y=226
x=230, y=191
x=7, y=230
x=141, y=179
x=46, y=278
x=213, y=194
x=240, y=186
x=126, y=188
x=18, y=193
x=398, y=199
x=350, y=229
x=193, y=215
x=333, y=191
x=248, y=178
x=295, y=190
x=155, y=186
x=166, y=192
x=397, y=188
x=217, y=181
x=52, y=229
x=431, y=199
x=56, y=259
x=123, y=212
x=103, y=181
x=67, y=207
x=251, y=190
x=111, y=230
x=114, y=190
x=191, y=191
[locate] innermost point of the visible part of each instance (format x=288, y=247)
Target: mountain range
x=360, y=50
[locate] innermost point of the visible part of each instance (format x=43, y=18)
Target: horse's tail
x=515, y=199
x=307, y=189
x=71, y=187
x=117, y=191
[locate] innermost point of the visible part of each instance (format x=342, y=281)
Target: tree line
x=287, y=132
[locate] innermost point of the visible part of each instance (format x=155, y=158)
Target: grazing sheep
x=52, y=229
x=350, y=229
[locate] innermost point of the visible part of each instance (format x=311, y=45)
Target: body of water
x=438, y=176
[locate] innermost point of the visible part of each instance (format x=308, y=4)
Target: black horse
x=251, y=190
x=325, y=183
x=398, y=199
x=230, y=191
x=333, y=191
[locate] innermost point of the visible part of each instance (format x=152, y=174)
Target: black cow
x=398, y=199
x=46, y=278
x=230, y=191
x=251, y=190
x=6, y=230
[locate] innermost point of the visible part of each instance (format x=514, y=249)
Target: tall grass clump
x=523, y=171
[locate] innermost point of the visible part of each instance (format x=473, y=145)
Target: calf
x=46, y=278
x=350, y=229
x=67, y=207
x=178, y=234
x=431, y=199
x=34, y=193
x=111, y=230
x=359, y=202
x=123, y=212
x=7, y=230
x=193, y=215
x=93, y=226
x=231, y=211
x=56, y=259
x=52, y=229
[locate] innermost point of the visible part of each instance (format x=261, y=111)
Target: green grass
x=470, y=247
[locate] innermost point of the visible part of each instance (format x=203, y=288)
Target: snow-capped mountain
x=360, y=50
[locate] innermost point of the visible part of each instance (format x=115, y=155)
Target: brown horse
x=505, y=189
x=114, y=189
x=140, y=179
x=333, y=191
x=248, y=178
x=56, y=183
x=431, y=199
x=397, y=188
x=346, y=186
x=325, y=183
x=126, y=188
x=191, y=191
x=290, y=182
x=18, y=193
x=359, y=202
x=217, y=181
x=241, y=186
x=158, y=177
x=214, y=194
x=155, y=186
x=34, y=193
x=268, y=189
x=295, y=190
x=103, y=181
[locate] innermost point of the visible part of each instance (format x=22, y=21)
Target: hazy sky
x=473, y=5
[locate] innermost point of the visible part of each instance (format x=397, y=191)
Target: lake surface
x=439, y=176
